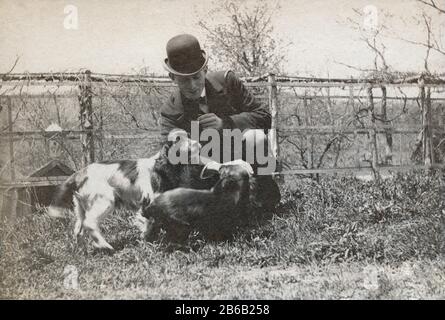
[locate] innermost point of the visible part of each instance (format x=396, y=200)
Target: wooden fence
x=11, y=85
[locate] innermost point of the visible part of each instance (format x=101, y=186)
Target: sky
x=116, y=36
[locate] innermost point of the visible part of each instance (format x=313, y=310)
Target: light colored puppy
x=99, y=188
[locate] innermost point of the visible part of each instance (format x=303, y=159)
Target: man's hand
x=210, y=120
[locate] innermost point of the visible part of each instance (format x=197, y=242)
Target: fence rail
x=367, y=169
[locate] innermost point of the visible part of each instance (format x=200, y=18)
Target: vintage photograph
x=222, y=150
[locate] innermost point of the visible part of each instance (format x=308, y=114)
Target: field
x=338, y=238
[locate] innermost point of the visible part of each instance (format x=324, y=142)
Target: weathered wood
x=100, y=135
x=373, y=134
x=34, y=182
x=76, y=83
x=356, y=150
x=78, y=76
x=388, y=135
x=247, y=84
x=106, y=77
x=309, y=136
x=322, y=130
x=345, y=84
x=402, y=79
x=361, y=97
x=9, y=204
x=422, y=136
x=46, y=144
x=53, y=134
x=11, y=141
x=426, y=133
x=401, y=160
x=355, y=170
x=429, y=146
x=274, y=133
x=24, y=206
x=86, y=119
x=154, y=134
x=350, y=97
x=118, y=94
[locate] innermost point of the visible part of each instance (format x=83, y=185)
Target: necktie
x=203, y=107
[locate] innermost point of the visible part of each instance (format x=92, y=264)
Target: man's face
x=191, y=86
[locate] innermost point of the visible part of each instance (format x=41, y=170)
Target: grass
x=338, y=238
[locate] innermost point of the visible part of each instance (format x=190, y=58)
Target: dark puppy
x=215, y=213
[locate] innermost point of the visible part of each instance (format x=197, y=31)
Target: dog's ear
x=145, y=203
x=208, y=173
x=165, y=147
x=210, y=169
x=217, y=188
x=148, y=210
x=164, y=152
x=243, y=164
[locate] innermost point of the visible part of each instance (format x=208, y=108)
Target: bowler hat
x=184, y=55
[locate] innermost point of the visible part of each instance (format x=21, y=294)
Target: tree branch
x=13, y=66
x=432, y=4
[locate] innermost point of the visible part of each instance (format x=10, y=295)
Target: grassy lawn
x=338, y=238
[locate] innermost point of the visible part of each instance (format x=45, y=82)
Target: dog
x=215, y=213
x=100, y=188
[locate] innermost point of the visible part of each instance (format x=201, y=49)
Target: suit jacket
x=227, y=97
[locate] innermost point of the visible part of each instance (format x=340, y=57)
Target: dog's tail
x=63, y=197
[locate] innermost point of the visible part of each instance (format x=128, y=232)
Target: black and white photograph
x=228, y=150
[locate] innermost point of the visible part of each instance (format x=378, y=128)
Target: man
x=217, y=100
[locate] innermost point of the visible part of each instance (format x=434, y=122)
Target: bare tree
x=373, y=35
x=241, y=37
x=427, y=146
x=429, y=19
x=432, y=4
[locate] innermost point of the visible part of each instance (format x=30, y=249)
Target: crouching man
x=206, y=103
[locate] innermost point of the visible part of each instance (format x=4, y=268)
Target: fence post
x=101, y=126
x=425, y=103
x=388, y=135
x=429, y=116
x=9, y=196
x=11, y=140
x=273, y=105
x=373, y=135
x=86, y=118
x=309, y=138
